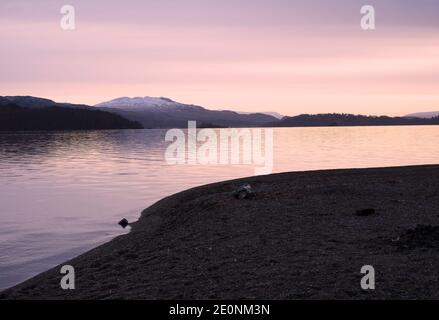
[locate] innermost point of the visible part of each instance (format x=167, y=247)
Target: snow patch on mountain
x=140, y=103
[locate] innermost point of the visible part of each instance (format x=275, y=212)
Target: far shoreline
x=219, y=127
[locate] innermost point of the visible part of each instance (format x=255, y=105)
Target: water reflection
x=62, y=193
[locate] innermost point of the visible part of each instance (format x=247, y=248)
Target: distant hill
x=425, y=115
x=165, y=113
x=336, y=119
x=4, y=101
x=273, y=114
x=30, y=113
x=36, y=102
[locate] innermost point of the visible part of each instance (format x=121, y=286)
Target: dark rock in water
x=123, y=223
x=422, y=236
x=365, y=212
x=244, y=192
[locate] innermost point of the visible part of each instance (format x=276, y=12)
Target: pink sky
x=284, y=56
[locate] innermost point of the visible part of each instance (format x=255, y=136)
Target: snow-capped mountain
x=166, y=113
x=140, y=103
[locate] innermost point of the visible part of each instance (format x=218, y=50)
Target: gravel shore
x=300, y=237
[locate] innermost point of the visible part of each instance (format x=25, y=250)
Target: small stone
x=243, y=192
x=123, y=223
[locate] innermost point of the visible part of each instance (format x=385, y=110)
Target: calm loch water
x=63, y=193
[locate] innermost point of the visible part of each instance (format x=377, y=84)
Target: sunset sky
x=247, y=55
